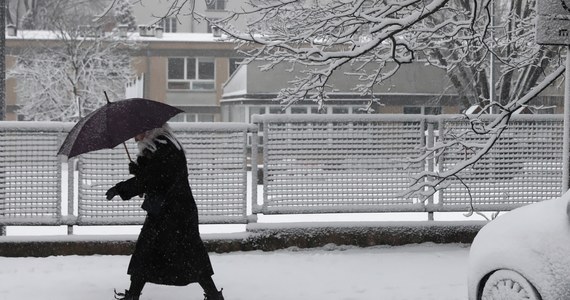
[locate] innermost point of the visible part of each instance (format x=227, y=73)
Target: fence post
x=254, y=149
x=70, y=192
x=566, y=137
x=440, y=158
x=430, y=164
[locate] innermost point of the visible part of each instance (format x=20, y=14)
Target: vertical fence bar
x=70, y=193
x=59, y=191
x=244, y=170
x=440, y=158
x=566, y=137
x=430, y=164
x=265, y=159
x=254, y=149
x=423, y=163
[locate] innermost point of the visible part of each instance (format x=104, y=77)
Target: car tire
x=507, y=284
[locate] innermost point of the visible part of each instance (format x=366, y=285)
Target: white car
x=523, y=254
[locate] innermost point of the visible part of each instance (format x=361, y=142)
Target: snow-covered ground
x=424, y=271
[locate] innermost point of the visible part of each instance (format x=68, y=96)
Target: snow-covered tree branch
x=321, y=38
x=429, y=182
x=64, y=79
x=371, y=39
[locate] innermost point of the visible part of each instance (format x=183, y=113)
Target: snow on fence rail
x=30, y=172
x=217, y=165
x=330, y=164
x=31, y=176
x=360, y=163
x=311, y=163
x=523, y=167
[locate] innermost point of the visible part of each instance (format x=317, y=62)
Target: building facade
x=186, y=70
x=182, y=63
x=174, y=18
x=415, y=89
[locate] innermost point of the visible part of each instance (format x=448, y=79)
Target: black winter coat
x=169, y=249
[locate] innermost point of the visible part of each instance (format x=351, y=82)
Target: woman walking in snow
x=169, y=249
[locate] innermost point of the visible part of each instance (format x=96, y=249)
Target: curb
x=263, y=237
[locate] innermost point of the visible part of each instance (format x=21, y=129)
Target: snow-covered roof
x=135, y=36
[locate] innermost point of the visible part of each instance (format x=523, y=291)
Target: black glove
x=133, y=168
x=112, y=192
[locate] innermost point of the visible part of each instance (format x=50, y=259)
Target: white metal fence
x=35, y=188
x=524, y=166
x=361, y=163
x=30, y=172
x=216, y=154
x=311, y=164
x=339, y=163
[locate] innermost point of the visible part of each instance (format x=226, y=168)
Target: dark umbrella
x=114, y=123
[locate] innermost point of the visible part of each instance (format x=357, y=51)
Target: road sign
x=552, y=31
x=553, y=7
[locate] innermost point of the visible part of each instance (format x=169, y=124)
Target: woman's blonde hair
x=153, y=136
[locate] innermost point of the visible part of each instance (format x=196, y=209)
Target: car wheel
x=508, y=285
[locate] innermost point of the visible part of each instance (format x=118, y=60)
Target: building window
x=432, y=110
x=340, y=110
x=169, y=24
x=276, y=110
x=412, y=110
x=234, y=64
x=422, y=110
x=315, y=110
x=205, y=118
x=255, y=110
x=189, y=117
x=216, y=4
x=298, y=110
x=359, y=110
x=191, y=73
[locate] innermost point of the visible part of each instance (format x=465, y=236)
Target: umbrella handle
x=128, y=154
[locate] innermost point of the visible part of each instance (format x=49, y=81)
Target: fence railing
x=524, y=166
x=339, y=163
x=311, y=164
x=36, y=187
x=362, y=163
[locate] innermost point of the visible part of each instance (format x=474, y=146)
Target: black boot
x=127, y=296
x=216, y=296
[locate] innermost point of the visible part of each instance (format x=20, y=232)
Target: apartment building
x=182, y=62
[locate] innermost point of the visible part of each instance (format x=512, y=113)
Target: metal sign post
x=553, y=28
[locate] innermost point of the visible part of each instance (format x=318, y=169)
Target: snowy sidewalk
x=418, y=272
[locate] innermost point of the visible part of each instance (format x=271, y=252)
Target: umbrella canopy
x=114, y=123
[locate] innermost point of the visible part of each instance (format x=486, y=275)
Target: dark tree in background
x=123, y=13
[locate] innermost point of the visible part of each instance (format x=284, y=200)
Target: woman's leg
x=137, y=285
x=210, y=289
x=207, y=283
x=134, y=291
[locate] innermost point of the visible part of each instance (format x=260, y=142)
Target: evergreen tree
x=123, y=12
